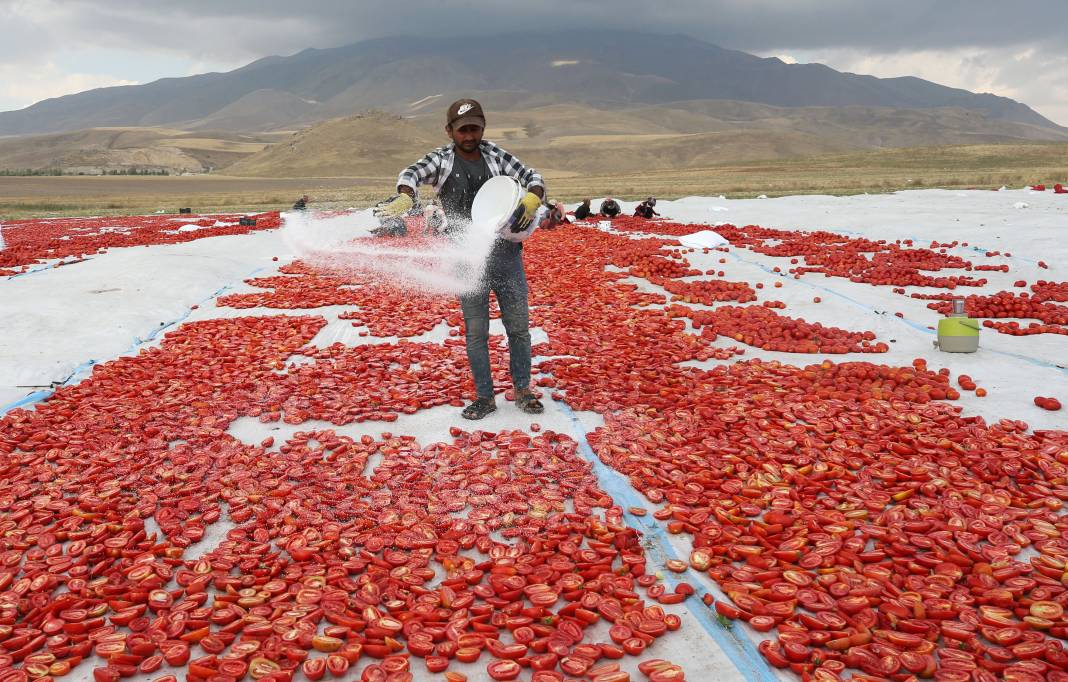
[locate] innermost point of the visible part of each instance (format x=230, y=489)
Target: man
x=457, y=171
x=301, y=204
x=583, y=211
x=609, y=208
x=645, y=209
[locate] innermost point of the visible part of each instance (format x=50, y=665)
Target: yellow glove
x=524, y=212
x=394, y=207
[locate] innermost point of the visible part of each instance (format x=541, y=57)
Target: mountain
x=568, y=139
x=559, y=137
x=513, y=72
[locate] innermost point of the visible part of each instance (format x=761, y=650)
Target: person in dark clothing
x=609, y=208
x=583, y=211
x=391, y=226
x=458, y=171
x=645, y=209
x=301, y=204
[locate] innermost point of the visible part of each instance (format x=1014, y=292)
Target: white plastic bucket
x=494, y=204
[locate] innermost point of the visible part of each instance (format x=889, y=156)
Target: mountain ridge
x=619, y=68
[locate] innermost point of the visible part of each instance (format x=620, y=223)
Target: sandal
x=529, y=403
x=479, y=409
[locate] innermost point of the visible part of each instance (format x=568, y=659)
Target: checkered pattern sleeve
x=424, y=171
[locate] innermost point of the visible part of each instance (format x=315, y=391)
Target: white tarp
x=59, y=318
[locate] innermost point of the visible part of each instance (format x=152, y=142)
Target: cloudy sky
x=1019, y=50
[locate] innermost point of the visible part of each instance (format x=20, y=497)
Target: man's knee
x=477, y=328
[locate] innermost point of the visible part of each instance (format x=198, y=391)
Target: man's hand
x=524, y=213
x=394, y=207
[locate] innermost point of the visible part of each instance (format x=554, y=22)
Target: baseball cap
x=465, y=112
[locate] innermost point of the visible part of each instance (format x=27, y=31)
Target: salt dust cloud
x=424, y=265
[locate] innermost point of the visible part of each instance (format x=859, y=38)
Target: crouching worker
x=458, y=170
x=609, y=208
x=645, y=209
x=583, y=211
x=392, y=224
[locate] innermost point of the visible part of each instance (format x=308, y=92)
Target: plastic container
x=958, y=333
x=494, y=205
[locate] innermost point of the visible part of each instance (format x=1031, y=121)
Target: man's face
x=467, y=138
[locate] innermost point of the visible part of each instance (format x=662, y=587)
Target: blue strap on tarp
x=30, y=399
x=738, y=647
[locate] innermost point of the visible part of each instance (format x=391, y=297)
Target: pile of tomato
x=871, y=528
x=32, y=241
x=896, y=263
x=1050, y=291
x=1006, y=304
x=759, y=326
x=651, y=267
x=649, y=258
x=599, y=326
x=633, y=224
x=1014, y=329
x=384, y=310
x=706, y=291
x=370, y=382
x=330, y=565
x=846, y=510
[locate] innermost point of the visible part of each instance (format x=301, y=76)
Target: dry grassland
x=980, y=166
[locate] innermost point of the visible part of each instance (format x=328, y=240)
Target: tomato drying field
x=220, y=462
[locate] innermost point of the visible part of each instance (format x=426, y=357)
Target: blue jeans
x=505, y=277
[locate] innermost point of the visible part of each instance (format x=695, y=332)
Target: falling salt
x=431, y=265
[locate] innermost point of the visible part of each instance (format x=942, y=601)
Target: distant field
x=25, y=197
x=984, y=166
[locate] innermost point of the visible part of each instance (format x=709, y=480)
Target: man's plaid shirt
x=434, y=168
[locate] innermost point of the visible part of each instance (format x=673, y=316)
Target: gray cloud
x=208, y=31
x=268, y=26
x=22, y=37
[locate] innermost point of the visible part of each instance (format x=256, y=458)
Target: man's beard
x=469, y=146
